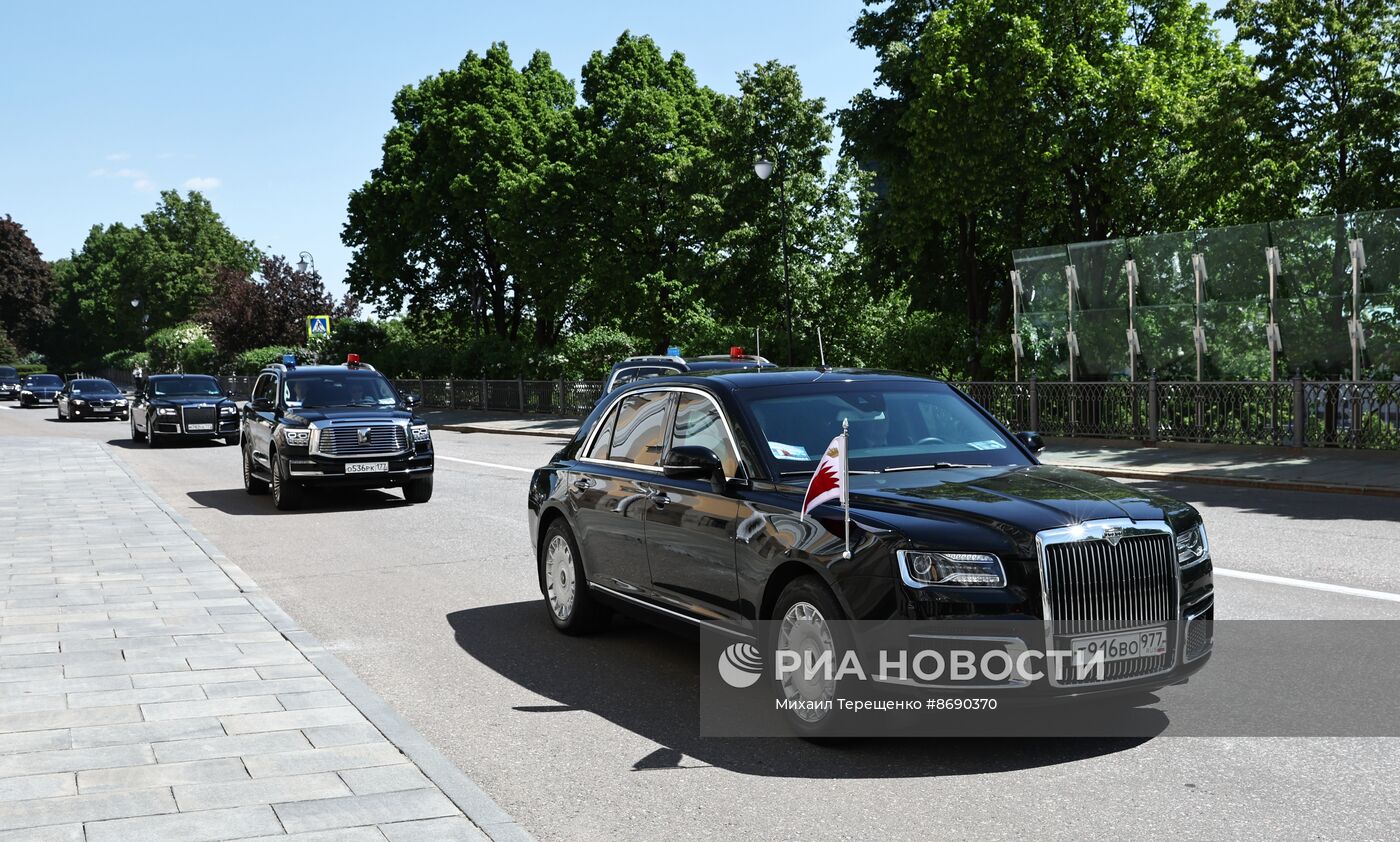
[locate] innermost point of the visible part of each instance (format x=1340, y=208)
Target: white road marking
x=1304, y=583
x=486, y=464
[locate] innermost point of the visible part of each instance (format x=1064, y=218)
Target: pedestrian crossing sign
x=318, y=327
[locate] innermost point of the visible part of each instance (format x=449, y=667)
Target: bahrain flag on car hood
x=831, y=480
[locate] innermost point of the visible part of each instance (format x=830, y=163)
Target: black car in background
x=91, y=398
x=333, y=426
x=633, y=369
x=9, y=382
x=183, y=406
x=39, y=389
x=681, y=496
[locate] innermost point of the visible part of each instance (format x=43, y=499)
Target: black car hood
x=190, y=400
x=989, y=506
x=336, y=413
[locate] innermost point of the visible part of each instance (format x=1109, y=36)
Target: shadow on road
x=236, y=501
x=646, y=680
x=1301, y=505
x=171, y=444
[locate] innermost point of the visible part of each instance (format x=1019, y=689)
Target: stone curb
x=473, y=801
x=504, y=431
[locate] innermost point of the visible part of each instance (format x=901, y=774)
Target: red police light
x=352, y=360
x=735, y=352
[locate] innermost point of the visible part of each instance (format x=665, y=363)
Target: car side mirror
x=262, y=404
x=1032, y=440
x=690, y=461
x=412, y=399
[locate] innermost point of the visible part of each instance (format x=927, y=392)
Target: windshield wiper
x=934, y=467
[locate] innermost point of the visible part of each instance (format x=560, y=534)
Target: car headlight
x=227, y=410
x=79, y=402
x=295, y=437
x=420, y=432
x=165, y=410
x=973, y=570
x=1191, y=545
x=26, y=392
x=119, y=402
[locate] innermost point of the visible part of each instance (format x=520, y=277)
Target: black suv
x=344, y=426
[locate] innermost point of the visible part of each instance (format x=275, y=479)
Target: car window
x=888, y=427
x=7, y=373
x=639, y=430
x=640, y=372
x=186, y=387
x=699, y=423
x=603, y=441
x=263, y=389
x=338, y=388
x=93, y=387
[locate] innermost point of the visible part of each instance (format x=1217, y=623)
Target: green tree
x=167, y=264
x=27, y=287
x=648, y=129
x=1330, y=106
x=472, y=210
x=1010, y=124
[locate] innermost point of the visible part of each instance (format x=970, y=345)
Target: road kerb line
x=485, y=464
x=1304, y=583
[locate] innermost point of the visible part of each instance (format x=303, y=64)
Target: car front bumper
x=324, y=471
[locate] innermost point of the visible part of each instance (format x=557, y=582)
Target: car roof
x=326, y=369
x=759, y=378
x=177, y=376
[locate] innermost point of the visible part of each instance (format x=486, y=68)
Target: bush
x=256, y=359
x=168, y=347
x=8, y=352
x=23, y=369
x=199, y=356
x=590, y=356
x=126, y=360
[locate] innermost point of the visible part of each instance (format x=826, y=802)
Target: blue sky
x=276, y=111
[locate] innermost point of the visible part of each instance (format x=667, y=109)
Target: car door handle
x=582, y=483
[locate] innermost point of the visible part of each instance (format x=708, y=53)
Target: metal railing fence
x=1288, y=413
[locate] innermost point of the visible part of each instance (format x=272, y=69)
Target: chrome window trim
x=728, y=431
x=664, y=610
x=1094, y=530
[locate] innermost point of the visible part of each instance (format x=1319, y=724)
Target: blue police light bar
x=289, y=360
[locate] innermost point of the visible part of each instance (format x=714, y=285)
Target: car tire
x=286, y=492
x=235, y=439
x=60, y=414
x=418, y=490
x=152, y=439
x=136, y=435
x=252, y=483
x=571, y=607
x=807, y=614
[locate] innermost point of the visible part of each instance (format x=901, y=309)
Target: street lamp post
x=763, y=168
x=303, y=263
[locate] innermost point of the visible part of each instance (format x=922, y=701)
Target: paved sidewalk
x=1281, y=468
x=148, y=691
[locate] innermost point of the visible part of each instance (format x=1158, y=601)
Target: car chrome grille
x=1093, y=586
x=377, y=440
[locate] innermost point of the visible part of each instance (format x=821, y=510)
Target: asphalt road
x=435, y=607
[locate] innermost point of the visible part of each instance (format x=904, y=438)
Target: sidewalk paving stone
x=147, y=691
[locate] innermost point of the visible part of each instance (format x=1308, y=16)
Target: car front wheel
x=572, y=609
x=286, y=492
x=808, y=621
x=136, y=435
x=419, y=490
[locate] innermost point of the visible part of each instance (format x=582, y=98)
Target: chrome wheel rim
x=561, y=585
x=247, y=470
x=805, y=631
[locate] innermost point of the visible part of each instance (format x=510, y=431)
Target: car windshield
x=348, y=387
x=94, y=387
x=186, y=387
x=892, y=426
x=7, y=373
x=44, y=380
x=640, y=372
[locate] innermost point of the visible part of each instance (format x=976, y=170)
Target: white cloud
x=128, y=173
x=143, y=184
x=202, y=183
x=118, y=156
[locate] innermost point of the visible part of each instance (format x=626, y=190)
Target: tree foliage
x=269, y=308
x=26, y=286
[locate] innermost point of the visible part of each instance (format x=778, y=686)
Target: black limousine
x=680, y=496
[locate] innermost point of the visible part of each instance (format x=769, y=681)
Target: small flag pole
x=821, y=349
x=846, y=480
